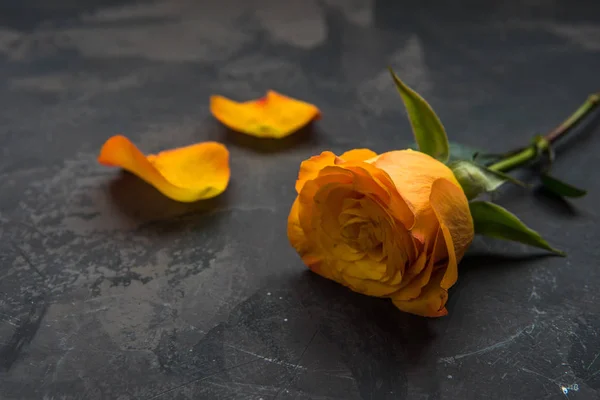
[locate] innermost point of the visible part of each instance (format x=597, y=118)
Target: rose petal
x=185, y=174
x=329, y=200
x=365, y=269
x=309, y=192
x=358, y=155
x=431, y=302
x=307, y=249
x=301, y=243
x=295, y=233
x=375, y=181
x=309, y=169
x=451, y=208
x=366, y=286
x=366, y=180
x=417, y=277
x=273, y=116
x=415, y=172
x=367, y=176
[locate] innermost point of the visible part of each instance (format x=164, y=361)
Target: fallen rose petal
x=187, y=174
x=272, y=116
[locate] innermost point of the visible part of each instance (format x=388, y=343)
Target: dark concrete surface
x=110, y=291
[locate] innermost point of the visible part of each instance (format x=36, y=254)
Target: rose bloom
x=391, y=225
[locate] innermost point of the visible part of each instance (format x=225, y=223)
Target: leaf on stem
x=427, y=127
x=551, y=183
x=561, y=188
x=495, y=221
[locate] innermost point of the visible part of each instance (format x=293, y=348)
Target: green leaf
x=551, y=183
x=427, y=127
x=561, y=188
x=476, y=179
x=494, y=221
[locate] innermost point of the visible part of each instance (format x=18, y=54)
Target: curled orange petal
x=272, y=116
x=452, y=210
x=431, y=302
x=309, y=169
x=358, y=155
x=185, y=174
x=415, y=172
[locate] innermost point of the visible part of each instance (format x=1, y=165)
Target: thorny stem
x=520, y=157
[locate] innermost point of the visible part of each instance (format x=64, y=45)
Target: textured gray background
x=110, y=291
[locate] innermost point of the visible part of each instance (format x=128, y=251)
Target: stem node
x=518, y=158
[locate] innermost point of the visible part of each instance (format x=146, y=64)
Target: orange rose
x=394, y=225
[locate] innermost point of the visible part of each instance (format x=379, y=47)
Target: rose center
x=362, y=232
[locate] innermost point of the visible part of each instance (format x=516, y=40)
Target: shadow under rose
x=473, y=261
x=348, y=316
x=371, y=335
x=142, y=203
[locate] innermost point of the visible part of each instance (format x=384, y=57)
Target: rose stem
x=529, y=153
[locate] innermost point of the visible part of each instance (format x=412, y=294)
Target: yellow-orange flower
x=393, y=225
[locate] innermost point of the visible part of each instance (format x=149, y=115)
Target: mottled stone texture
x=110, y=291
